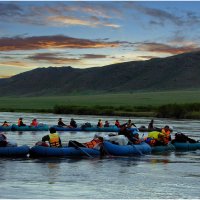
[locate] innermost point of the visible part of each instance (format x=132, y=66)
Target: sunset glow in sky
x=86, y=34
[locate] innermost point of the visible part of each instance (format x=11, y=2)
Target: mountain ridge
x=179, y=72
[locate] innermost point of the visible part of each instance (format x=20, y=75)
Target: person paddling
x=53, y=138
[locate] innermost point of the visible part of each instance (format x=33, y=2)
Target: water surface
x=171, y=175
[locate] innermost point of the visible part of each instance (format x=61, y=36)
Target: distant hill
x=178, y=72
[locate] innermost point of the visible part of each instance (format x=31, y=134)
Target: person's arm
x=134, y=125
x=45, y=138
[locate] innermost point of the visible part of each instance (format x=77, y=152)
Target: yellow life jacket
x=155, y=135
x=54, y=140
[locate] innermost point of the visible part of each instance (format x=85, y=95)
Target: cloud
x=10, y=10
x=159, y=17
x=164, y=48
x=93, y=56
x=78, y=14
x=53, y=58
x=67, y=20
x=51, y=42
x=15, y=63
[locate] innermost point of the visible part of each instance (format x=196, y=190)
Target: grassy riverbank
x=177, y=104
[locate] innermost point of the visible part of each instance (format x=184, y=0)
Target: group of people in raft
x=123, y=137
x=21, y=123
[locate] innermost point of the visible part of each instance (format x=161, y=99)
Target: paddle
x=171, y=146
x=134, y=146
x=82, y=150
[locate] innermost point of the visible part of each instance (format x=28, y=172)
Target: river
x=171, y=175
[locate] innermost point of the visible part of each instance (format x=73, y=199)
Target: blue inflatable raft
x=21, y=151
x=160, y=149
x=42, y=127
x=5, y=128
x=93, y=129
x=186, y=146
x=41, y=151
x=126, y=150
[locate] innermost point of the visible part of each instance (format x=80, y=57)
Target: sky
x=83, y=34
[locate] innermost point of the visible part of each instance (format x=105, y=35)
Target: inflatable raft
x=160, y=149
x=41, y=151
x=5, y=128
x=42, y=127
x=93, y=129
x=126, y=150
x=21, y=151
x=186, y=146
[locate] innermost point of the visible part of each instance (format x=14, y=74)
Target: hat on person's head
x=72, y=118
x=20, y=118
x=52, y=130
x=5, y=122
x=60, y=119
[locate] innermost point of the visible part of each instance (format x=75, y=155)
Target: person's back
x=73, y=123
x=34, y=122
x=100, y=124
x=53, y=138
x=166, y=131
x=61, y=123
x=106, y=124
x=5, y=123
x=158, y=137
x=129, y=124
x=20, y=122
x=117, y=124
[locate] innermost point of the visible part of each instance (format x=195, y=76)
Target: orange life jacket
x=19, y=122
x=34, y=123
x=167, y=135
x=93, y=143
x=54, y=140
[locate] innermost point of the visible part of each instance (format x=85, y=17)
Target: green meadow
x=138, y=104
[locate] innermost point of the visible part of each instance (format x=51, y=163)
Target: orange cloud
x=15, y=63
x=164, y=48
x=47, y=42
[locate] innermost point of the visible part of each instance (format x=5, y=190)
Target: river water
x=172, y=175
